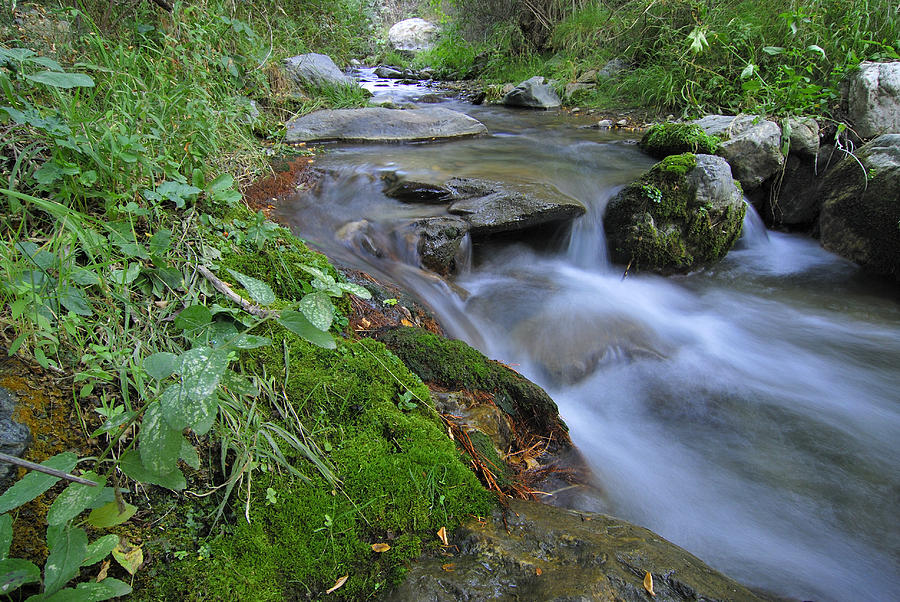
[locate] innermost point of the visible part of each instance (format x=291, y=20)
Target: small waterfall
x=754, y=233
x=587, y=240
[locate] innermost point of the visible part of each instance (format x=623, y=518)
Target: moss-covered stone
x=401, y=477
x=686, y=210
x=665, y=139
x=455, y=365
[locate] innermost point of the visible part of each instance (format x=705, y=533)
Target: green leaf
x=100, y=548
x=176, y=192
x=816, y=48
x=91, y=591
x=189, y=455
x=75, y=499
x=212, y=409
x=180, y=412
x=748, y=71
x=238, y=384
x=126, y=277
x=318, y=309
x=15, y=572
x=131, y=465
x=249, y=341
x=258, y=290
x=160, y=443
x=67, y=551
x=109, y=516
x=57, y=79
x=6, y=534
x=35, y=483
x=160, y=241
x=773, y=50
x=297, y=323
x=48, y=173
x=698, y=40
x=161, y=365
x=74, y=300
x=355, y=289
x=193, y=318
x=201, y=370
x=84, y=277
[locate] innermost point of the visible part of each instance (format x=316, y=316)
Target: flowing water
x=749, y=412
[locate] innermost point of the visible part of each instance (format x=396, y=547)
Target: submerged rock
x=534, y=94
x=377, y=124
x=315, y=69
x=874, y=98
x=685, y=211
x=438, y=240
x=540, y=552
x=861, y=207
x=750, y=144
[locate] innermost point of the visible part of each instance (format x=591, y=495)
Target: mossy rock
x=402, y=479
x=685, y=211
x=664, y=139
x=454, y=365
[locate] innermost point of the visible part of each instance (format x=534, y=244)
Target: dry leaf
x=442, y=534
x=104, y=569
x=365, y=323
x=531, y=463
x=450, y=434
x=380, y=547
x=538, y=571
x=131, y=558
x=648, y=583
x=337, y=584
x=449, y=567
x=406, y=322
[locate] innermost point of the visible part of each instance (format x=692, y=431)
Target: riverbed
x=748, y=412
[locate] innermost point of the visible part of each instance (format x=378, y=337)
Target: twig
x=44, y=469
x=219, y=285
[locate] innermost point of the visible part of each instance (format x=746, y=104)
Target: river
x=761, y=433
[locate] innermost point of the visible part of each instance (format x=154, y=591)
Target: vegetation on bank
x=201, y=344
x=684, y=56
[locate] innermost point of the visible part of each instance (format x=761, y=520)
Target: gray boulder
x=796, y=200
x=14, y=437
x=532, y=93
x=874, y=98
x=539, y=552
x=492, y=208
x=612, y=68
x=412, y=35
x=437, y=241
x=685, y=211
x=861, y=207
x=804, y=136
x=389, y=73
x=316, y=70
x=378, y=124
x=751, y=145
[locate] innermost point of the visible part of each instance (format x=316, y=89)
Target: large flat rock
x=377, y=124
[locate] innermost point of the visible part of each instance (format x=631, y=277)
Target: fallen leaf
x=406, y=322
x=450, y=433
x=531, y=463
x=442, y=534
x=131, y=558
x=337, y=584
x=449, y=567
x=380, y=547
x=648, y=583
x=104, y=569
x=365, y=323
x=538, y=571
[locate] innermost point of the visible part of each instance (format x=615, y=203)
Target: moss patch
x=666, y=139
x=455, y=365
x=402, y=480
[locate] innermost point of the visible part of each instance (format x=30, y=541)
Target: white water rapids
x=763, y=435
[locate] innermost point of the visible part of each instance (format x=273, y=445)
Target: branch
x=219, y=285
x=44, y=469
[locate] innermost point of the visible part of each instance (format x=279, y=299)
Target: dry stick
x=44, y=469
x=219, y=285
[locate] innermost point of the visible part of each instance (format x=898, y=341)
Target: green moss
x=666, y=139
x=402, y=480
x=455, y=365
x=678, y=165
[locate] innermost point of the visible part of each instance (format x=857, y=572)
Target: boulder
x=873, y=98
x=612, y=68
x=389, y=73
x=686, y=210
x=409, y=191
x=804, y=136
x=664, y=139
x=14, y=437
x=532, y=93
x=492, y=207
x=797, y=199
x=537, y=552
x=861, y=207
x=412, y=35
x=574, y=88
x=751, y=145
x=378, y=124
x=315, y=70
